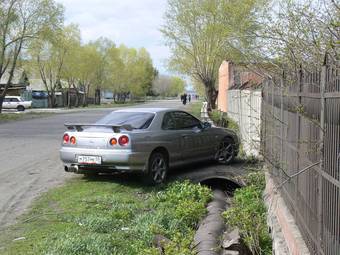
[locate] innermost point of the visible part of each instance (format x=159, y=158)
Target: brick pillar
x=223, y=85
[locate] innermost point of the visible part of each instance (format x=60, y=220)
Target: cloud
x=135, y=23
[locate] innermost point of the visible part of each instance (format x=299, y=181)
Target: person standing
x=185, y=99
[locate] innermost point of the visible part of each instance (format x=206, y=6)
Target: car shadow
x=192, y=171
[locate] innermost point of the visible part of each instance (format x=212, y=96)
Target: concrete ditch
x=213, y=237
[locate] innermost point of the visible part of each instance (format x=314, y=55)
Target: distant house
x=37, y=92
x=239, y=96
x=234, y=77
x=18, y=85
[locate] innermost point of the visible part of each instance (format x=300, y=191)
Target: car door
x=6, y=103
x=192, y=134
x=175, y=138
x=14, y=102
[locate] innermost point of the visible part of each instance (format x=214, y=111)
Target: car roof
x=12, y=96
x=150, y=110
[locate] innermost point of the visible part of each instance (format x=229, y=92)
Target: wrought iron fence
x=301, y=143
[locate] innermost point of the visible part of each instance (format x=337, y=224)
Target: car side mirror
x=206, y=125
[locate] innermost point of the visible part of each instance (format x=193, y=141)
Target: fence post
x=281, y=129
x=298, y=165
x=322, y=135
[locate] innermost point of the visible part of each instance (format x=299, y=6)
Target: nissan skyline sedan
x=146, y=140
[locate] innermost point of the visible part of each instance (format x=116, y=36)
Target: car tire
x=226, y=151
x=21, y=108
x=157, y=168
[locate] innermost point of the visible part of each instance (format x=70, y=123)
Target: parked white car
x=15, y=102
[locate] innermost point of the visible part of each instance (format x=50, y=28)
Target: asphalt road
x=29, y=157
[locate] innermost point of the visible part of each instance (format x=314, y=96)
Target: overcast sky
x=134, y=23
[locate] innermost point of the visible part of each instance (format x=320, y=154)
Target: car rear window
x=138, y=120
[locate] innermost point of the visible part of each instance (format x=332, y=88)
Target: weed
x=248, y=214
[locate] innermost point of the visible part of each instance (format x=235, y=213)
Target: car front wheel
x=20, y=108
x=158, y=168
x=226, y=151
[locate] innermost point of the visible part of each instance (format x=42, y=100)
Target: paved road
x=29, y=158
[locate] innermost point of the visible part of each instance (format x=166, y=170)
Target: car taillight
x=123, y=140
x=113, y=141
x=66, y=138
x=73, y=140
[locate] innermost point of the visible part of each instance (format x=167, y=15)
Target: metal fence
x=301, y=140
x=244, y=107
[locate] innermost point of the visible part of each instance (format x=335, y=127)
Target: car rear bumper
x=112, y=160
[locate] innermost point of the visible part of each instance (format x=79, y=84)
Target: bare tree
x=20, y=22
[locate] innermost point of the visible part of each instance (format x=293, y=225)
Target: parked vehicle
x=147, y=140
x=16, y=102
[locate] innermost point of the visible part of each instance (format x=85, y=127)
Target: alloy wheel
x=225, y=153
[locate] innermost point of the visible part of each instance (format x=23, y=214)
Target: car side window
x=14, y=100
x=184, y=120
x=6, y=100
x=168, y=122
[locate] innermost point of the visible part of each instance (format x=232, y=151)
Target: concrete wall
x=287, y=239
x=244, y=107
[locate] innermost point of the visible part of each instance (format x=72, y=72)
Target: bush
x=221, y=119
x=248, y=214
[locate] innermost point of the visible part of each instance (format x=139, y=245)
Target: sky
x=135, y=23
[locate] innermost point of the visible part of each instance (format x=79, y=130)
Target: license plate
x=96, y=160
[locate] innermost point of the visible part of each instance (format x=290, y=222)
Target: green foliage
x=248, y=214
x=104, y=217
x=222, y=119
x=168, y=86
x=202, y=34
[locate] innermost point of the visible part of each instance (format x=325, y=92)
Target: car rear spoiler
x=115, y=128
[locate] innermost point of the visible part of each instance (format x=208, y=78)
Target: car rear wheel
x=21, y=108
x=226, y=151
x=158, y=168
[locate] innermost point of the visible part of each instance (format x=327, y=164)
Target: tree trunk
x=211, y=94
x=1, y=101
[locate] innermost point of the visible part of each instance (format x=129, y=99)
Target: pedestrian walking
x=184, y=99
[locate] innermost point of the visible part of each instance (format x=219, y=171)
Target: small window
x=6, y=100
x=14, y=100
x=168, y=122
x=183, y=120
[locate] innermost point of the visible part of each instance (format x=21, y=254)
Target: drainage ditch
x=212, y=236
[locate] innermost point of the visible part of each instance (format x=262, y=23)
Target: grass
x=108, y=216
x=8, y=117
x=114, y=105
x=195, y=109
x=216, y=117
x=248, y=214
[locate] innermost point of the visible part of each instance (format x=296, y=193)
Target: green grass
x=215, y=116
x=8, y=117
x=248, y=214
x=114, y=105
x=109, y=216
x=195, y=109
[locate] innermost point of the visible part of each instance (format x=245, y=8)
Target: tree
x=165, y=86
x=294, y=34
x=49, y=52
x=131, y=72
x=201, y=34
x=70, y=70
x=20, y=22
x=89, y=59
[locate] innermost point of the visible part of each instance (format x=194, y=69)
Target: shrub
x=248, y=214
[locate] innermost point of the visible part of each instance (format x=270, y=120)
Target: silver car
x=147, y=140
